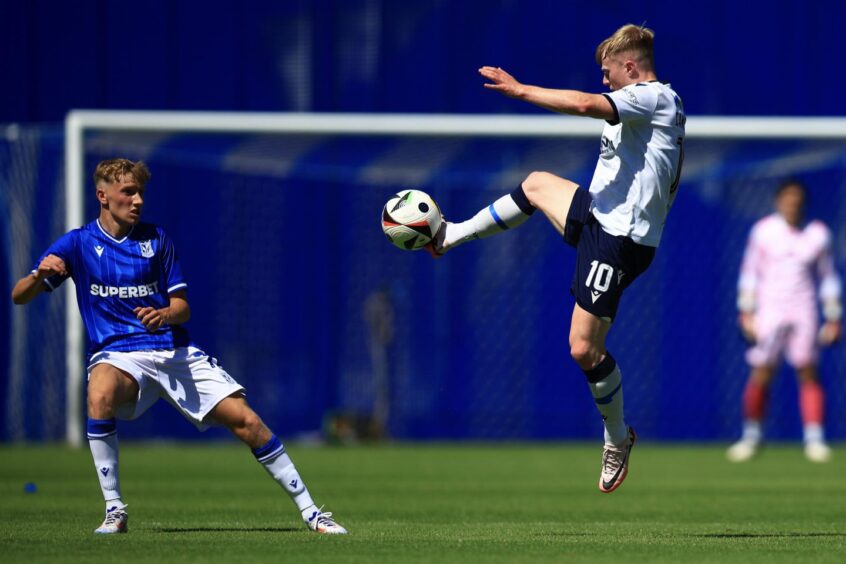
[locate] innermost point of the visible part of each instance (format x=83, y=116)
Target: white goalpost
x=78, y=122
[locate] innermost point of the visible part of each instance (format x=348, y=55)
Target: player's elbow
x=583, y=108
x=20, y=298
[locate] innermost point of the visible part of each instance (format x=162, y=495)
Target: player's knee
x=585, y=353
x=101, y=403
x=535, y=184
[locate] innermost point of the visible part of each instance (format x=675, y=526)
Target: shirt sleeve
x=749, y=268
x=830, y=286
x=633, y=102
x=64, y=248
x=170, y=264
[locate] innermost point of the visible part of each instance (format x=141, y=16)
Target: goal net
x=295, y=290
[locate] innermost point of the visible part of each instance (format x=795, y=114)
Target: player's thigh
x=108, y=382
x=552, y=195
x=193, y=382
x=770, y=340
x=234, y=411
x=802, y=346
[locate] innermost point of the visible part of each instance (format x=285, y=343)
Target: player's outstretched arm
x=176, y=313
x=571, y=102
x=28, y=287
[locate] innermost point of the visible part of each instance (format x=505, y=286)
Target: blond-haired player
x=616, y=224
x=134, y=303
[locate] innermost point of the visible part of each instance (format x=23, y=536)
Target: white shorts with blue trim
x=186, y=377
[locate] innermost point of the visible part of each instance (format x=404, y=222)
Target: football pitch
x=429, y=503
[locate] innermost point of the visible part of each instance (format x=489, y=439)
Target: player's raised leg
x=754, y=407
x=587, y=347
x=108, y=388
x=235, y=414
x=541, y=190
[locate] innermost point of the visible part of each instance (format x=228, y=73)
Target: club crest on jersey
x=146, y=248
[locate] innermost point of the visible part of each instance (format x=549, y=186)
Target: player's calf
x=506, y=213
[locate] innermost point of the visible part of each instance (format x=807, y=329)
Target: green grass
x=429, y=503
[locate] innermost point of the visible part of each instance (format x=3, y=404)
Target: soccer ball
x=411, y=219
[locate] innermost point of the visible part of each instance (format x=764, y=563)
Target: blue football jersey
x=113, y=277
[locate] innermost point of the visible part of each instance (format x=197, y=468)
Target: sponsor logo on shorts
x=140, y=291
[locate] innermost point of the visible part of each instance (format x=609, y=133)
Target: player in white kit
x=616, y=224
x=133, y=300
x=785, y=260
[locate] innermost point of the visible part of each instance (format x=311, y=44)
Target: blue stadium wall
x=723, y=56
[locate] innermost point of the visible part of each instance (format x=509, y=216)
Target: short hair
x=112, y=170
x=629, y=38
x=791, y=183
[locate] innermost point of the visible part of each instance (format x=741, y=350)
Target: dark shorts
x=605, y=264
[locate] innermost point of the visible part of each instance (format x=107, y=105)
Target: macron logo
x=104, y=471
x=595, y=295
x=99, y=250
x=293, y=483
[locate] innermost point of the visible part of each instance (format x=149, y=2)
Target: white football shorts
x=186, y=377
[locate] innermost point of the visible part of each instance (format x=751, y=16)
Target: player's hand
x=51, y=265
x=150, y=317
x=502, y=82
x=830, y=332
x=747, y=327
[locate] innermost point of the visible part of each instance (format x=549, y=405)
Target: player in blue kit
x=133, y=300
x=615, y=225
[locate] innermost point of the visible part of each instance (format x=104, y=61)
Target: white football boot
x=817, y=451
x=615, y=464
x=321, y=522
x=116, y=521
x=743, y=450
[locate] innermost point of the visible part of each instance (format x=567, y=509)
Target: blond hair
x=629, y=39
x=113, y=170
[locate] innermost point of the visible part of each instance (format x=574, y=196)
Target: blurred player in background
x=133, y=300
x=785, y=257
x=616, y=224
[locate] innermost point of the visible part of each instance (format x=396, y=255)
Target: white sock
x=813, y=433
x=103, y=442
x=752, y=431
x=608, y=394
x=506, y=213
x=278, y=464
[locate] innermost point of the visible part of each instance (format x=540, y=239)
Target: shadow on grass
x=766, y=535
x=231, y=529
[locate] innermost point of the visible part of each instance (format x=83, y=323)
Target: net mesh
x=295, y=290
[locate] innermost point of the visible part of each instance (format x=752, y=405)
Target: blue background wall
x=723, y=56
x=479, y=347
